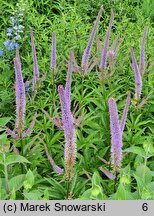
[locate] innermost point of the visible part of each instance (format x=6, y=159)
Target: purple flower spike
x=69, y=132
x=142, y=52
x=138, y=78
x=29, y=130
x=107, y=173
x=20, y=96
x=11, y=133
x=53, y=164
x=53, y=52
x=68, y=83
x=116, y=136
x=106, y=44
x=35, y=63
x=125, y=112
x=87, y=51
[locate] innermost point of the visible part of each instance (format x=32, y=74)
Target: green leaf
x=29, y=182
x=46, y=194
x=86, y=195
x=13, y=194
x=57, y=185
x=144, y=173
x=4, y=121
x=95, y=179
x=15, y=159
x=16, y=182
x=150, y=186
x=140, y=185
x=121, y=192
x=136, y=150
x=96, y=189
x=33, y=195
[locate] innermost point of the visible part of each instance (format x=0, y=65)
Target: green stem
x=67, y=188
x=53, y=83
x=145, y=163
x=6, y=176
x=82, y=90
x=115, y=181
x=22, y=154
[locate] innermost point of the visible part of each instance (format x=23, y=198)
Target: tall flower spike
x=20, y=96
x=106, y=44
x=142, y=52
x=116, y=136
x=18, y=132
x=69, y=133
x=68, y=83
x=87, y=51
x=138, y=78
x=125, y=112
x=53, y=52
x=36, y=74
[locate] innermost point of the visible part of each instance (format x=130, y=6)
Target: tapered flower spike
x=138, y=78
x=29, y=130
x=125, y=112
x=69, y=133
x=36, y=73
x=106, y=45
x=11, y=133
x=20, y=96
x=56, y=168
x=87, y=51
x=53, y=53
x=116, y=136
x=107, y=173
x=142, y=52
x=68, y=83
x=18, y=132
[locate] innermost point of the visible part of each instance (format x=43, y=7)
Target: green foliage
x=26, y=172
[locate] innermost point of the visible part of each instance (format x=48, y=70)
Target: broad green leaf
x=16, y=159
x=86, y=195
x=136, y=150
x=4, y=121
x=96, y=189
x=140, y=185
x=29, y=181
x=95, y=179
x=16, y=182
x=144, y=173
x=33, y=195
x=121, y=192
x=150, y=186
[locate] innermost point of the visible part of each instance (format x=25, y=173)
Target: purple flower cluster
x=18, y=132
x=116, y=129
x=53, y=53
x=68, y=124
x=87, y=51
